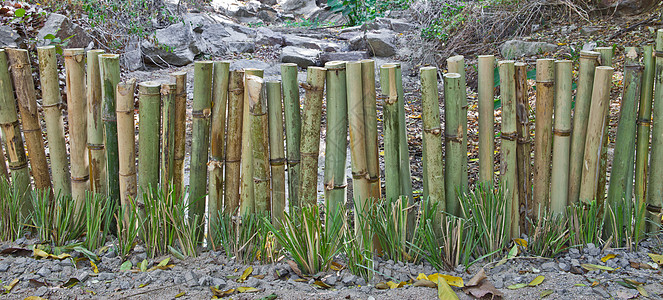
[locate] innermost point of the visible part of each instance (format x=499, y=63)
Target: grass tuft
x=98, y=213
x=388, y=221
x=485, y=209
x=246, y=238
x=128, y=225
x=586, y=223
x=56, y=220
x=12, y=220
x=550, y=236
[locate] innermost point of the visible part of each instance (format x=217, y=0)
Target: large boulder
x=63, y=28
x=381, y=43
x=516, y=48
x=301, y=56
x=210, y=40
x=8, y=37
x=342, y=56
x=174, y=45
x=132, y=58
x=311, y=43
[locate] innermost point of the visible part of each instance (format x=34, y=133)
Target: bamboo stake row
x=655, y=185
x=509, y=169
x=559, y=181
x=643, y=130
x=220, y=83
x=95, y=130
x=74, y=64
x=336, y=135
x=523, y=147
x=545, y=96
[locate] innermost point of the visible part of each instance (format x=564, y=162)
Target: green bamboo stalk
x=11, y=134
x=524, y=148
x=4, y=173
x=655, y=187
x=95, y=127
x=545, y=97
x=310, y=143
x=52, y=105
x=259, y=142
x=220, y=83
x=149, y=127
x=455, y=153
x=486, y=117
x=594, y=143
x=606, y=60
x=126, y=136
x=180, y=133
x=390, y=126
x=276, y=150
x=336, y=136
x=247, y=202
x=74, y=64
x=559, y=181
x=588, y=63
x=355, y=108
x=109, y=70
x=509, y=143
x=293, y=128
x=432, y=134
x=234, y=147
x=456, y=64
x=371, y=127
x=202, y=102
x=642, y=143
x=168, y=133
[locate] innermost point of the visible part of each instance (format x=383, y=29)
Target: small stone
x=205, y=280
x=110, y=253
x=498, y=282
x=331, y=280
x=575, y=262
x=386, y=272
x=190, y=279
x=349, y=279
x=549, y=266
x=83, y=276
x=252, y=282
x=370, y=298
x=41, y=291
x=574, y=253
x=103, y=276
x=218, y=282
x=564, y=267
x=139, y=249
x=44, y=271
x=141, y=256
x=365, y=289
x=4, y=267
x=125, y=285
x=601, y=292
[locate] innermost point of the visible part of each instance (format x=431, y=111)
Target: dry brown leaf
x=425, y=283
x=294, y=267
x=478, y=277
x=484, y=289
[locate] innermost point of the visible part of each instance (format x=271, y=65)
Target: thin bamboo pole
x=109, y=70
x=644, y=122
x=234, y=147
x=24, y=86
x=371, y=127
x=220, y=83
x=149, y=127
x=355, y=108
x=390, y=127
x=456, y=64
x=95, y=128
x=259, y=142
x=606, y=60
x=559, y=182
x=180, y=133
x=52, y=105
x=247, y=202
x=524, y=148
x=486, y=117
x=202, y=102
x=167, y=133
x=432, y=134
x=310, y=143
x=11, y=134
x=126, y=136
x=655, y=187
x=509, y=144
x=594, y=141
x=74, y=64
x=293, y=129
x=336, y=136
x=588, y=63
x=276, y=150
x=545, y=97
x=455, y=153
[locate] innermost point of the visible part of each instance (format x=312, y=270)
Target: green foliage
x=307, y=23
x=158, y=231
x=388, y=221
x=551, y=235
x=357, y=11
x=485, y=209
x=624, y=222
x=247, y=238
x=99, y=211
x=188, y=231
x=128, y=225
x=450, y=18
x=586, y=223
x=12, y=220
x=56, y=218
x=358, y=246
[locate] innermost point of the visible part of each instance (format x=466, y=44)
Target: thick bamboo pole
x=355, y=108
x=588, y=63
x=310, y=143
x=234, y=147
x=486, y=117
x=247, y=202
x=293, y=129
x=390, y=127
x=545, y=97
x=455, y=152
x=24, y=86
x=509, y=143
x=371, y=127
x=594, y=141
x=202, y=102
x=109, y=70
x=52, y=105
x=276, y=150
x=95, y=127
x=180, y=133
x=432, y=134
x=149, y=126
x=259, y=142
x=11, y=135
x=403, y=151
x=559, y=181
x=524, y=148
x=74, y=64
x=167, y=133
x=126, y=136
x=606, y=60
x=456, y=64
x=220, y=83
x=644, y=120
x=336, y=136
x=655, y=188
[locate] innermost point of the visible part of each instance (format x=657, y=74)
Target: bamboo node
x=82, y=179
x=18, y=167
x=95, y=146
x=228, y=161
x=311, y=154
x=201, y=114
x=110, y=118
x=124, y=111
x=277, y=161
x=658, y=54
x=635, y=67
x=644, y=121
x=653, y=208
x=360, y=175
x=308, y=87
x=59, y=104
x=562, y=132
x=236, y=91
x=523, y=140
x=509, y=136
x=293, y=162
x=453, y=137
x=435, y=131
x=142, y=92
x=373, y=179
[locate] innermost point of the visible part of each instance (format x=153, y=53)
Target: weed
x=388, y=221
x=56, y=218
x=624, y=222
x=98, y=213
x=246, y=238
x=188, y=231
x=128, y=226
x=358, y=246
x=586, y=223
x=485, y=209
x=551, y=235
x=158, y=231
x=12, y=220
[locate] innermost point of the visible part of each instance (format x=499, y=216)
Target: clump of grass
x=98, y=215
x=550, y=236
x=625, y=219
x=388, y=221
x=128, y=225
x=358, y=246
x=187, y=231
x=157, y=230
x=485, y=210
x=246, y=238
x=56, y=220
x=12, y=220
x=586, y=223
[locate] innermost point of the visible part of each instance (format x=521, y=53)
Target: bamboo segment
x=167, y=133
x=559, y=181
x=4, y=173
x=644, y=120
x=432, y=134
x=655, y=189
x=24, y=86
x=622, y=164
x=220, y=82
x=109, y=70
x=259, y=142
x=95, y=128
x=52, y=104
x=606, y=55
x=486, y=117
x=594, y=143
x=588, y=63
x=455, y=153
x=523, y=149
x=202, y=102
x=74, y=64
x=276, y=151
x=545, y=97
x=371, y=127
x=390, y=127
x=247, y=202
x=509, y=143
x=456, y=64
x=336, y=136
x=606, y=60
x=11, y=133
x=310, y=143
x=293, y=129
x=355, y=109
x=126, y=132
x=180, y=133
x=149, y=126
x=234, y=147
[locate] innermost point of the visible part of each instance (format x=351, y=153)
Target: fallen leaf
x=245, y=274
x=521, y=242
x=592, y=267
x=538, y=280
x=175, y=253
x=143, y=265
x=657, y=258
x=425, y=283
x=453, y=280
x=546, y=293
x=642, y=291
x=336, y=266
x=579, y=284
x=94, y=267
x=243, y=289
x=392, y=285
x=164, y=262
x=608, y=257
x=512, y=253
x=10, y=286
x=36, y=283
x=39, y=253
x=414, y=116
x=70, y=283
x=322, y=284
x=517, y=286
x=33, y=298
x=16, y=251
x=89, y=254
x=126, y=266
x=422, y=276
x=444, y=291
x=143, y=285
x=381, y=286
x=482, y=290
x=269, y=297
x=477, y=278
x=301, y=280
x=221, y=294
x=295, y=268
x=180, y=294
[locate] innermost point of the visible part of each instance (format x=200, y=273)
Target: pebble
x=218, y=282
x=110, y=253
x=349, y=279
x=205, y=280
x=41, y=291
x=125, y=285
x=252, y=282
x=82, y=277
x=574, y=253
x=190, y=279
x=139, y=249
x=549, y=266
x=575, y=262
x=331, y=280
x=592, y=250
x=361, y=281
x=601, y=292
x=564, y=267
x=43, y=272
x=4, y=267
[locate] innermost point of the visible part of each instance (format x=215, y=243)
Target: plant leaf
x=175, y=253
x=512, y=253
x=143, y=265
x=521, y=242
x=425, y=283
x=517, y=286
x=19, y=13
x=243, y=289
x=164, y=262
x=245, y=274
x=10, y=286
x=180, y=294
x=49, y=36
x=642, y=291
x=444, y=291
x=546, y=293
x=322, y=284
x=538, y=280
x=657, y=258
x=94, y=267
x=126, y=266
x=70, y=283
x=608, y=257
x=453, y=280
x=422, y=276
x=592, y=267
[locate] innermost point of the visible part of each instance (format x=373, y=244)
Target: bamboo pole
x=455, y=153
x=126, y=132
x=276, y=150
x=336, y=136
x=390, y=127
x=456, y=64
x=247, y=201
x=168, y=134
x=109, y=70
x=149, y=126
x=606, y=60
x=310, y=143
x=644, y=122
x=559, y=182
x=293, y=128
x=180, y=133
x=52, y=105
x=11, y=134
x=404, y=153
x=509, y=143
x=221, y=74
x=594, y=143
x=355, y=108
x=545, y=96
x=4, y=173
x=523, y=148
x=622, y=163
x=486, y=117
x=655, y=186
x=588, y=63
x=234, y=147
x=202, y=102
x=24, y=86
x=259, y=142
x=371, y=127
x=74, y=64
x=95, y=128
x=432, y=134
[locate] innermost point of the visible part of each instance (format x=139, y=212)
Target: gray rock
x=589, y=46
x=252, y=282
x=4, y=267
x=125, y=285
x=564, y=267
x=381, y=44
x=498, y=282
x=103, y=276
x=402, y=26
x=588, y=30
x=210, y=40
x=190, y=279
x=141, y=256
x=549, y=266
x=8, y=37
x=131, y=59
x=41, y=291
x=361, y=281
x=292, y=5
x=311, y=43
x=300, y=56
x=592, y=250
x=43, y=271
x=176, y=47
x=205, y=280
x=358, y=42
x=110, y=253
x=83, y=276
x=62, y=27
x=349, y=279
x=386, y=272
x=516, y=48
x=218, y=282
x=266, y=36
x=574, y=253
x=268, y=15
x=601, y=292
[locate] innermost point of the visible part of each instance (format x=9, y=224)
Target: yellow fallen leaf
x=143, y=285
x=94, y=267
x=426, y=283
x=322, y=284
x=433, y=277
x=414, y=116
x=592, y=267
x=608, y=257
x=517, y=286
x=336, y=266
x=10, y=286
x=546, y=293
x=538, y=280
x=34, y=298
x=453, y=280
x=579, y=284
x=642, y=291
x=180, y=294
x=243, y=289
x=39, y=253
x=246, y=274
x=221, y=294
x=422, y=276
x=444, y=291
x=657, y=258
x=392, y=285
x=164, y=262
x=521, y=242
x=381, y=286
